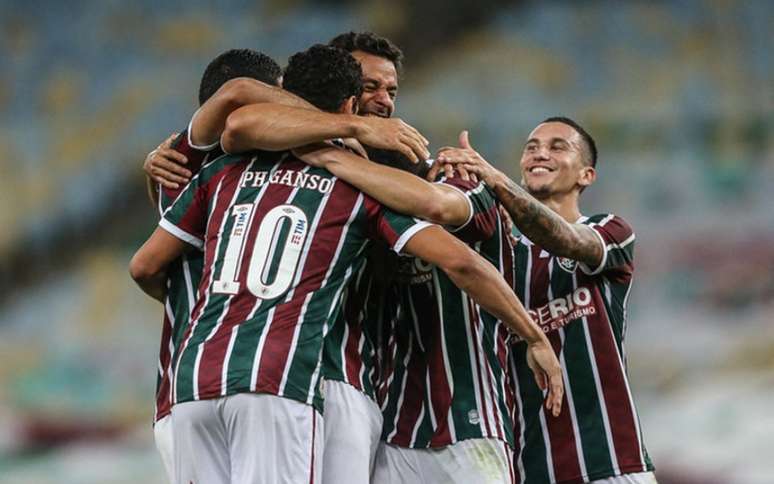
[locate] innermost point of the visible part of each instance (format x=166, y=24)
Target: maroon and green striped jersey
x=349, y=354
x=280, y=241
x=442, y=358
x=583, y=313
x=182, y=279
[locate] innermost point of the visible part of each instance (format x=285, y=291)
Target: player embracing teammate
x=415, y=359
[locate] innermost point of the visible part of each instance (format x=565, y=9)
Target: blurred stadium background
x=680, y=96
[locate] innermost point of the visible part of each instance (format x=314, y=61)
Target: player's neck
x=566, y=205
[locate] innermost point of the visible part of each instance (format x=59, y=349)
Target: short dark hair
x=398, y=160
x=370, y=43
x=591, y=146
x=238, y=63
x=323, y=75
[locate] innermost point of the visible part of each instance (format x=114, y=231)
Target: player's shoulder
x=610, y=223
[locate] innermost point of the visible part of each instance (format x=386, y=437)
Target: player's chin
x=538, y=186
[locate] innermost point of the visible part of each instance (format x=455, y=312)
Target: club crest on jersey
x=567, y=265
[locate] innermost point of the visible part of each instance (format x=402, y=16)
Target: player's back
x=280, y=239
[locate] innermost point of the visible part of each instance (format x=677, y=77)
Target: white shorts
x=353, y=425
x=162, y=434
x=638, y=478
x=247, y=438
x=479, y=461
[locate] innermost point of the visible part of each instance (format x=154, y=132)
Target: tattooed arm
x=534, y=219
x=547, y=228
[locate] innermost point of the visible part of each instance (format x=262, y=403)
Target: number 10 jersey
x=280, y=240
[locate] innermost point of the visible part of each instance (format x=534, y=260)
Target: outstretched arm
x=540, y=224
x=148, y=267
x=276, y=127
x=481, y=281
x=400, y=190
x=547, y=228
x=207, y=126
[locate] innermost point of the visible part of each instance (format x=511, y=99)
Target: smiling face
x=380, y=84
x=555, y=161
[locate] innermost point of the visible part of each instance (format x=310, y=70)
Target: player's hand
x=315, y=154
x=164, y=165
x=393, y=134
x=355, y=146
x=465, y=158
x=449, y=171
x=548, y=374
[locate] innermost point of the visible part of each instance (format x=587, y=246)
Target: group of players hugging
x=340, y=309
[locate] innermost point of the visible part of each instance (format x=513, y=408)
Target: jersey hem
x=213, y=395
x=441, y=446
x=356, y=387
x=606, y=474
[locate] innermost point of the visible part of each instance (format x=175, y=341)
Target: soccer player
x=349, y=363
x=280, y=240
x=185, y=272
x=443, y=360
x=169, y=168
x=574, y=273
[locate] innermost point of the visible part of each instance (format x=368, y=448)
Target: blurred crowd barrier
x=679, y=95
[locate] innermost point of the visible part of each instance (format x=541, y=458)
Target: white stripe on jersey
x=520, y=415
x=598, y=385
x=229, y=297
x=541, y=414
x=621, y=245
x=195, y=320
x=568, y=387
x=415, y=320
x=335, y=300
x=622, y=363
x=399, y=407
x=446, y=364
x=473, y=353
x=418, y=423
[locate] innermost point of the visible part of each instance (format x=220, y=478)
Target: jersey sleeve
x=186, y=218
x=394, y=228
x=617, y=238
x=197, y=156
x=483, y=218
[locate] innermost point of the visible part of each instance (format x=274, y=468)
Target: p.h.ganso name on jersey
x=444, y=363
x=280, y=241
x=182, y=278
x=582, y=310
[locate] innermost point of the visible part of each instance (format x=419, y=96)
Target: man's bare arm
x=207, y=126
x=481, y=281
x=277, y=127
x=547, y=228
x=401, y=191
x=149, y=265
x=534, y=219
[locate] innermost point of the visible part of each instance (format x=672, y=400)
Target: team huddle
x=339, y=308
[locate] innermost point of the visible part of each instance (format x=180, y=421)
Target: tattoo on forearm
x=546, y=228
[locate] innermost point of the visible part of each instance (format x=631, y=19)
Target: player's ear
x=588, y=175
x=349, y=106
